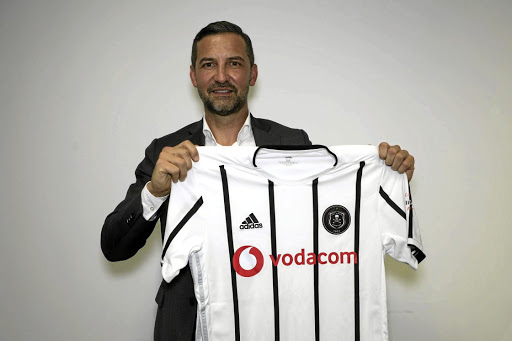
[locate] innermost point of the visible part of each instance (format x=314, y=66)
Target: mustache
x=227, y=85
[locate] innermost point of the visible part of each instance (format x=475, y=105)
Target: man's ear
x=254, y=75
x=193, y=76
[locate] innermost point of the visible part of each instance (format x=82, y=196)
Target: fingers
x=399, y=160
x=407, y=164
x=409, y=173
x=176, y=161
x=383, y=150
x=191, y=148
x=394, y=156
x=172, y=166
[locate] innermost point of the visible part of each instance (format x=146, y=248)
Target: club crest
x=336, y=219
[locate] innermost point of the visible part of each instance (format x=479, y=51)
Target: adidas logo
x=251, y=222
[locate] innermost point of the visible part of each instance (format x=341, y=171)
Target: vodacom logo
x=247, y=261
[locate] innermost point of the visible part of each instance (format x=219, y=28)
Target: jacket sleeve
x=125, y=230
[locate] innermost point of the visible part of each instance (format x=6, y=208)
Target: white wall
x=86, y=85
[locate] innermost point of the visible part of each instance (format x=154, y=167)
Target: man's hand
x=399, y=160
x=172, y=166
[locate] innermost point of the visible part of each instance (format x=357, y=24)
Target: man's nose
x=221, y=75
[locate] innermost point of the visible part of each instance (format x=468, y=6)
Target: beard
x=224, y=106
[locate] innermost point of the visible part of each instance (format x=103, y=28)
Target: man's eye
x=235, y=63
x=207, y=65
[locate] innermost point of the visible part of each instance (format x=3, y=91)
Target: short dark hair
x=220, y=27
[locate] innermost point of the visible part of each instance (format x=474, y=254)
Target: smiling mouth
x=222, y=91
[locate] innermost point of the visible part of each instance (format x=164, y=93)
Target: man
x=222, y=70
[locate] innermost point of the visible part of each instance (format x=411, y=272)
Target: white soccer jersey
x=288, y=243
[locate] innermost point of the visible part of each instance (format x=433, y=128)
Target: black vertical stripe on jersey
x=182, y=223
x=315, y=266
x=391, y=203
x=356, y=250
x=416, y=252
x=253, y=217
x=274, y=254
x=410, y=212
x=227, y=209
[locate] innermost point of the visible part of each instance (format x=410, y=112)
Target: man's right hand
x=172, y=166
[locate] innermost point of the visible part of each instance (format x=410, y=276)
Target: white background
x=86, y=85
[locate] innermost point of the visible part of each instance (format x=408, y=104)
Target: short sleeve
x=184, y=231
x=399, y=227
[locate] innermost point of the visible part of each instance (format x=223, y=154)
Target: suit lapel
x=262, y=133
x=196, y=133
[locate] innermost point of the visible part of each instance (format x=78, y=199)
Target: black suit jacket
x=125, y=230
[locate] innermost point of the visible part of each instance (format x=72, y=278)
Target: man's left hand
x=400, y=160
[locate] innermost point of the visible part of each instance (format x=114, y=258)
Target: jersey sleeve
x=400, y=232
x=184, y=230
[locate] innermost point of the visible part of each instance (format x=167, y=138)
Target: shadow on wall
x=402, y=272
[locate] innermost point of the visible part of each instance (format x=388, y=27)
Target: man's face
x=222, y=74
